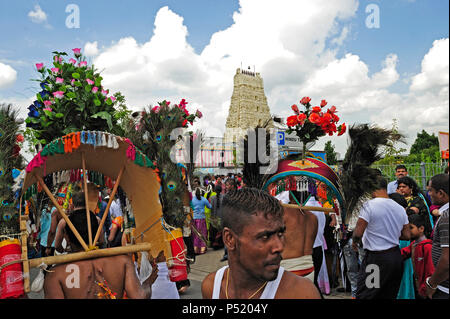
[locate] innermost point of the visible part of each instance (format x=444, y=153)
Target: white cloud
x=8, y=76
x=435, y=66
x=288, y=47
x=91, y=49
x=38, y=15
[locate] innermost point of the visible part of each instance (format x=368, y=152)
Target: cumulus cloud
x=287, y=45
x=435, y=67
x=91, y=49
x=8, y=75
x=39, y=16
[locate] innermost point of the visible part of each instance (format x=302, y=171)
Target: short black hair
x=78, y=199
x=380, y=182
x=239, y=205
x=408, y=181
x=78, y=219
x=440, y=182
x=401, y=166
x=399, y=198
x=417, y=220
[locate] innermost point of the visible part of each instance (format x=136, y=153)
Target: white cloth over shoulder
x=321, y=219
x=283, y=197
x=163, y=288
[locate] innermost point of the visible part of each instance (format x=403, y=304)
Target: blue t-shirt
x=46, y=223
x=199, y=207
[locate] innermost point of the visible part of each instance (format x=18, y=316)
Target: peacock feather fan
x=154, y=135
x=251, y=171
x=11, y=162
x=358, y=178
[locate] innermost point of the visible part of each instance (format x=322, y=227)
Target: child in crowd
x=420, y=253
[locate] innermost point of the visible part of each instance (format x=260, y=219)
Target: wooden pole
x=61, y=211
x=314, y=208
x=86, y=199
x=111, y=198
x=24, y=244
x=106, y=252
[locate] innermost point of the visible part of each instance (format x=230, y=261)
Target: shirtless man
x=253, y=231
x=301, y=231
x=104, y=277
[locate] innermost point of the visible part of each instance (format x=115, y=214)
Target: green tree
x=423, y=142
x=331, y=154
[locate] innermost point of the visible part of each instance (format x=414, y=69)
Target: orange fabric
x=304, y=272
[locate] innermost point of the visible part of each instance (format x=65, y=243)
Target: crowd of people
x=395, y=246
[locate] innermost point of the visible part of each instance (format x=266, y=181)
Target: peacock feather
x=358, y=178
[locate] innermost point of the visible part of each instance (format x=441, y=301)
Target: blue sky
x=300, y=47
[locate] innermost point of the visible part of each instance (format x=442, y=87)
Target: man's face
x=401, y=172
x=404, y=189
x=437, y=196
x=260, y=245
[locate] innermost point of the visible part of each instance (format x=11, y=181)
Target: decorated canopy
x=309, y=167
x=108, y=154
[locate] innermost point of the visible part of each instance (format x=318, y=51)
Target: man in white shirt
x=382, y=222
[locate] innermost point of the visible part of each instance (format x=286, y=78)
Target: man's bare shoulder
x=296, y=287
x=208, y=285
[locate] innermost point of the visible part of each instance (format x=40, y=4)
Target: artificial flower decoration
x=72, y=99
x=314, y=122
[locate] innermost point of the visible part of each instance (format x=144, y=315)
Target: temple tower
x=248, y=108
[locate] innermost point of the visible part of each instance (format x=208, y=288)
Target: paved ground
x=204, y=264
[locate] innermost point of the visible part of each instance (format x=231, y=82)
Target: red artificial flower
x=332, y=109
x=327, y=118
x=335, y=117
x=184, y=123
x=342, y=129
x=294, y=108
x=305, y=100
x=316, y=109
x=19, y=138
x=314, y=118
x=301, y=118
x=323, y=103
x=292, y=120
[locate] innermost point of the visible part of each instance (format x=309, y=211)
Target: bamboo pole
x=61, y=211
x=314, y=208
x=24, y=244
x=98, y=253
x=86, y=199
x=111, y=198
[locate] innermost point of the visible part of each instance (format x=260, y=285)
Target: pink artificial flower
x=77, y=51
x=48, y=109
x=59, y=80
x=113, y=99
x=58, y=94
x=183, y=103
x=155, y=109
x=198, y=114
x=57, y=59
x=105, y=92
x=94, y=89
x=48, y=103
x=90, y=82
x=39, y=66
x=54, y=70
x=72, y=82
x=82, y=63
x=73, y=61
